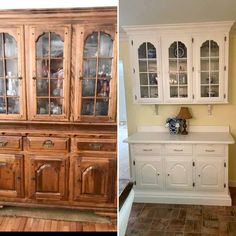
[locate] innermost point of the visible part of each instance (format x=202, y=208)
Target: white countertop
x=191, y=138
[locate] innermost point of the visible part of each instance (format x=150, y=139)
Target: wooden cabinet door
x=94, y=179
x=12, y=74
x=149, y=173
x=49, y=73
x=179, y=173
x=48, y=177
x=11, y=175
x=210, y=174
x=95, y=79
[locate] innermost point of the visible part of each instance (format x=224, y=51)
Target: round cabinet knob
x=168, y=174
x=158, y=174
x=199, y=175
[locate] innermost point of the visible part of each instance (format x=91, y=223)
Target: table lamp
x=183, y=115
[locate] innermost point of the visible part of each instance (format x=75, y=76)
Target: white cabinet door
x=146, y=61
x=210, y=65
x=179, y=173
x=210, y=173
x=149, y=173
x=177, y=68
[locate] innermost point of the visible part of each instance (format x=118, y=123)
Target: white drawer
x=147, y=149
x=210, y=149
x=178, y=149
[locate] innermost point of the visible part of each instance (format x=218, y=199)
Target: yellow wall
x=221, y=114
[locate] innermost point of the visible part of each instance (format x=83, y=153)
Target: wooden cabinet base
x=67, y=175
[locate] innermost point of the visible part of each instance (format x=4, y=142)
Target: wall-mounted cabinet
x=180, y=64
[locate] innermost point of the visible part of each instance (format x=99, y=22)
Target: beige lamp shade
x=184, y=113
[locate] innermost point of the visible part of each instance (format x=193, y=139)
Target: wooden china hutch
x=58, y=129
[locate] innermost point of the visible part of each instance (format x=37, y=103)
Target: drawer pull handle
x=210, y=150
x=48, y=144
x=2, y=164
x=147, y=150
x=3, y=143
x=95, y=146
x=178, y=150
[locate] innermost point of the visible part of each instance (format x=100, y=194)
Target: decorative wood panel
x=11, y=175
x=48, y=177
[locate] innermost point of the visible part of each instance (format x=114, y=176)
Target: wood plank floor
x=33, y=224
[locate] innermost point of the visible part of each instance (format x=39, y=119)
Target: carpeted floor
x=54, y=214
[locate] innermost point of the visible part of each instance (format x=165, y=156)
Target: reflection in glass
x=143, y=78
x=214, y=64
x=144, y=92
x=87, y=107
x=56, y=68
x=1, y=46
x=56, y=106
x=56, y=87
x=173, y=91
x=106, y=45
x=13, y=106
x=183, y=91
x=90, y=68
x=104, y=68
x=88, y=88
x=205, y=65
x=205, y=49
x=42, y=87
x=151, y=50
x=152, y=66
x=42, y=106
x=102, y=107
x=2, y=105
x=12, y=87
x=91, y=45
x=42, y=45
x=142, y=66
x=214, y=49
x=142, y=51
x=2, y=87
x=42, y=68
x=1, y=68
x=103, y=88
x=10, y=46
x=173, y=65
x=154, y=92
x=11, y=68
x=57, y=45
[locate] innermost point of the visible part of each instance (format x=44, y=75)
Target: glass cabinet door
x=96, y=78
x=148, y=72
x=177, y=73
x=210, y=68
x=12, y=102
x=50, y=73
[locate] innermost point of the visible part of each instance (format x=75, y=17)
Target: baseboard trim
x=218, y=200
x=232, y=183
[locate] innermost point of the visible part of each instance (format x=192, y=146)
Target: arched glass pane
x=106, y=45
x=42, y=46
x=148, y=70
x=91, y=45
x=57, y=45
x=10, y=46
x=178, y=71
x=209, y=67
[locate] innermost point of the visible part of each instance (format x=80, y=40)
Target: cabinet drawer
x=147, y=149
x=47, y=143
x=13, y=143
x=178, y=149
x=95, y=145
x=210, y=149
